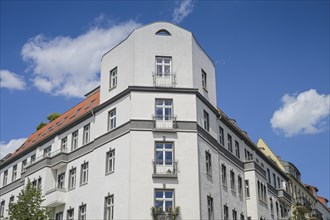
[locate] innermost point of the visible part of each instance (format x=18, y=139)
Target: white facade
x=158, y=120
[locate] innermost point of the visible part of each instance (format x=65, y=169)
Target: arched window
x=163, y=32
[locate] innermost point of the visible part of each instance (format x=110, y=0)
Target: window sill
x=165, y=175
x=108, y=173
x=112, y=88
x=82, y=184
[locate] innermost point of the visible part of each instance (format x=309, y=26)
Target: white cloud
x=11, y=80
x=182, y=10
x=305, y=113
x=10, y=147
x=70, y=66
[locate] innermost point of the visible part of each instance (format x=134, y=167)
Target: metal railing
x=164, y=79
x=164, y=122
x=302, y=201
x=165, y=167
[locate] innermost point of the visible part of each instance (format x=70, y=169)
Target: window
x=232, y=181
x=24, y=162
x=237, y=149
x=230, y=143
x=225, y=212
x=14, y=175
x=163, y=32
x=34, y=183
x=224, y=174
x=11, y=199
x=278, y=182
x=112, y=119
x=59, y=216
x=110, y=163
x=70, y=214
x=248, y=155
x=84, y=173
x=221, y=136
x=163, y=66
x=72, y=178
x=47, y=151
x=86, y=134
x=82, y=212
x=234, y=214
x=206, y=121
x=242, y=217
x=208, y=161
x=74, y=143
x=210, y=212
x=164, y=158
x=5, y=178
x=113, y=78
x=271, y=206
x=39, y=183
x=108, y=208
x=240, y=186
x=60, y=181
x=64, y=143
x=2, y=208
x=164, y=199
x=247, y=188
x=204, y=80
x=276, y=204
x=274, y=180
x=33, y=158
x=164, y=109
x=268, y=174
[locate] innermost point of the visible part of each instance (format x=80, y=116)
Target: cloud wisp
x=70, y=66
x=11, y=80
x=305, y=113
x=10, y=147
x=184, y=8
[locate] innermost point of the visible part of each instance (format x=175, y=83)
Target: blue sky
x=271, y=57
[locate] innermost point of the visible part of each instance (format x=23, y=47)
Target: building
x=306, y=204
x=149, y=138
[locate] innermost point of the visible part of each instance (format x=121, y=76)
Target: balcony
x=315, y=215
x=283, y=195
x=55, y=197
x=164, y=80
x=252, y=164
x=167, y=169
x=166, y=123
x=303, y=205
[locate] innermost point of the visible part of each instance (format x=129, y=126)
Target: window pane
x=168, y=102
x=168, y=146
x=168, y=158
x=168, y=194
x=168, y=204
x=159, y=157
x=159, y=145
x=159, y=204
x=167, y=60
x=159, y=194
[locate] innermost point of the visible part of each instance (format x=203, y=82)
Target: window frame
x=14, y=173
x=109, y=206
x=163, y=65
x=110, y=157
x=83, y=170
x=237, y=149
x=75, y=139
x=86, y=134
x=204, y=80
x=221, y=136
x=64, y=144
x=163, y=107
x=82, y=216
x=72, y=178
x=210, y=208
x=164, y=199
x=68, y=212
x=208, y=163
x=206, y=120
x=230, y=143
x=224, y=175
x=113, y=78
x=112, y=119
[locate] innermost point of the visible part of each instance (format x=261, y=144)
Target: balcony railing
x=166, y=168
x=164, y=80
x=164, y=122
x=283, y=195
x=303, y=205
x=253, y=163
x=315, y=215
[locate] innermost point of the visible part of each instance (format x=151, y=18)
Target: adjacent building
x=150, y=142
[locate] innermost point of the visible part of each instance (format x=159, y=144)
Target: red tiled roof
x=66, y=118
x=323, y=200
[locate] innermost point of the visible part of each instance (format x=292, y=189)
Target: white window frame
x=5, y=178
x=210, y=209
x=224, y=174
x=61, y=181
x=110, y=161
x=225, y=212
x=2, y=208
x=86, y=134
x=204, y=80
x=84, y=173
x=221, y=136
x=230, y=143
x=163, y=199
x=64, y=144
x=48, y=151
x=72, y=178
x=237, y=149
x=232, y=181
x=14, y=173
x=163, y=105
x=82, y=212
x=109, y=207
x=208, y=163
x=206, y=120
x=70, y=214
x=161, y=61
x=74, y=141
x=24, y=163
x=33, y=158
x=113, y=78
x=240, y=185
x=112, y=119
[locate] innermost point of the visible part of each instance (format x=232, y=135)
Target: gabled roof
x=90, y=102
